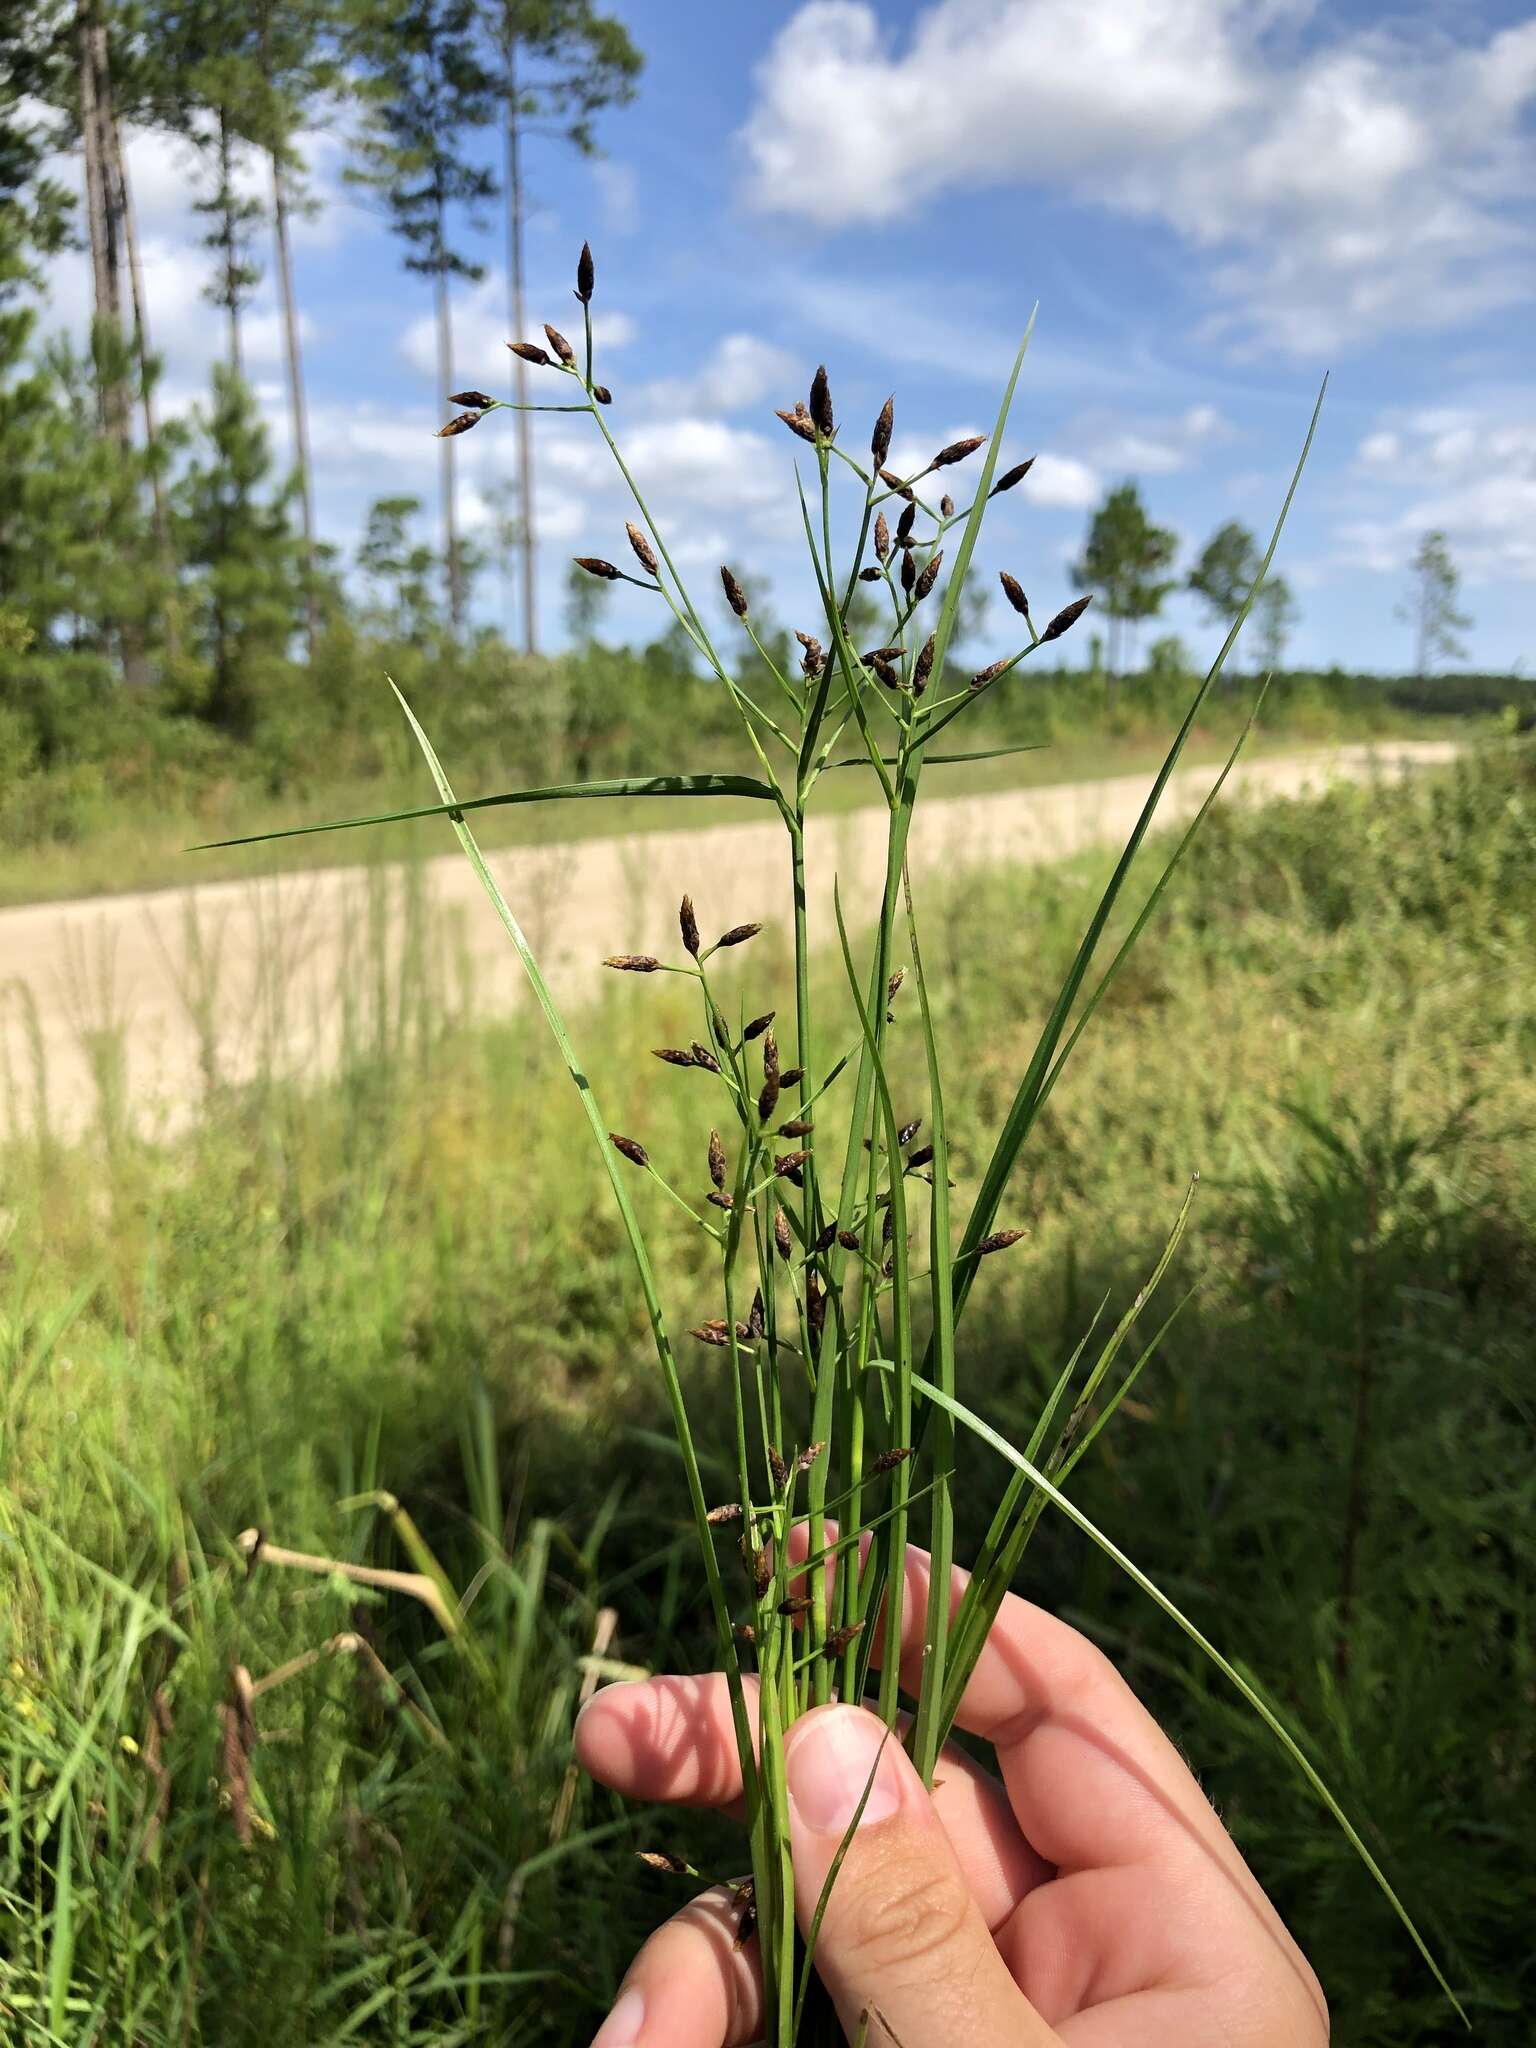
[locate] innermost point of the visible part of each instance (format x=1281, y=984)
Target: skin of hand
x=1088, y=1895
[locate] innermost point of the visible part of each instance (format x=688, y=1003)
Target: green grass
x=395, y=1281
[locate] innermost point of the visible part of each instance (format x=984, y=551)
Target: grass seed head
x=703, y=1057
x=884, y=673
x=808, y=1457
x=894, y=984
x=957, y=451
x=1069, y=616
x=798, y=423
x=768, y=1099
x=889, y=1460
x=880, y=439
x=480, y=399
x=674, y=1056
x=672, y=1866
x=905, y=524
x=1016, y=475
x=633, y=963
x=870, y=575
x=791, y=1077
x=532, y=353
x=840, y=1638
x=715, y=1333
x=745, y=1632
x=797, y=1603
x=989, y=674
x=728, y=1511
x=797, y=1127
x=815, y=1307
x=586, y=275
x=922, y=668
x=826, y=1237
x=631, y=1149
x=898, y=484
x=645, y=554
x=459, y=424
x=1013, y=590
x=780, y=1471
x=909, y=1131
x=596, y=566
x=929, y=577
x=770, y=1056
x=602, y=394
x=999, y=1241
x=738, y=935
x=821, y=404
x=761, y=1570
x=815, y=655
x=758, y=1026
x=735, y=596
x=720, y=1199
x=786, y=1162
x=946, y=507
x=882, y=537
x=921, y=1157
x=908, y=571
x=849, y=1240
x=721, y=1030
x=688, y=924
x=559, y=344
x=783, y=1242
x=757, y=1315
x=716, y=1159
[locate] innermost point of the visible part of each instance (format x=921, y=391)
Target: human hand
x=1091, y=1897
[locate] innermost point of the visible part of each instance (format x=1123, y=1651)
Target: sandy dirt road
x=152, y=998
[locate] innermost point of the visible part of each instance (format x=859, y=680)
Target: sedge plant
x=844, y=1264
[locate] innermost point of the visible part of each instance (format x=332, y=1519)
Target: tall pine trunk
x=519, y=367
x=230, y=240
x=296, y=405
x=448, y=469
x=103, y=214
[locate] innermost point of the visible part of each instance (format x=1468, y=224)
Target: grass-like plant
x=844, y=1268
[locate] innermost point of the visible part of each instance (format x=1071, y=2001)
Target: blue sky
x=1213, y=202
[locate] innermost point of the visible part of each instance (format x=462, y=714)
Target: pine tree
x=1431, y=609
x=559, y=63
x=424, y=93
x=1223, y=574
x=402, y=570
x=245, y=563
x=1123, y=562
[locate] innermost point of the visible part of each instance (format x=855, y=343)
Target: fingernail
x=622, y=2027
x=828, y=1763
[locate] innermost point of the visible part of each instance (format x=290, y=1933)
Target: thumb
x=901, y=1938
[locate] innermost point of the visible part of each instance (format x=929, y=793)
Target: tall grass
x=841, y=1276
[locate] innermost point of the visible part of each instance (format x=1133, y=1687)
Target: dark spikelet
x=475, y=398
x=815, y=655
x=840, y=1638
x=1016, y=475
x=883, y=654
x=735, y=596
x=909, y=1131
x=758, y=1026
x=596, y=566
x=688, y=925
x=746, y=1926
x=787, y=1161
x=559, y=344
x=720, y=1199
x=780, y=1471
x=884, y=673
x=870, y=575
x=905, y=524
x=808, y=1457
x=673, y=1055
x=714, y=1333
x=882, y=537
x=633, y=963
x=586, y=276
x=602, y=394
x=1013, y=590
x=908, y=571
x=757, y=1315
x=673, y=1866
x=1068, y=617
x=703, y=1057
x=922, y=668
x=929, y=577
x=815, y=1307
x=797, y=1604
x=894, y=984
x=645, y=554
x=826, y=1237
x=459, y=424
x=957, y=451
x=728, y=1511
x=770, y=1056
x=717, y=1025
x=791, y=1077
x=783, y=1243
x=889, y=1460
x=745, y=1632
x=946, y=507
x=821, y=404
x=532, y=353
x=898, y=484
x=983, y=676
x=999, y=1241
x=738, y=935
x=797, y=423
x=762, y=1571
x=921, y=1157
x=795, y=1177
x=887, y=1228
x=716, y=1159
x=631, y=1149
x=768, y=1099
x=849, y=1240
x=880, y=439
x=797, y=1127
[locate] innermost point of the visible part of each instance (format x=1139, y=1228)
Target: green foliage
x=1431, y=607
x=1124, y=563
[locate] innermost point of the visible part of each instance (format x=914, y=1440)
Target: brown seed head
x=602, y=394
x=770, y=1057
x=808, y=1457
x=716, y=1159
x=703, y=1057
x=894, y=984
x=929, y=577
x=633, y=963
x=720, y=1199
x=758, y=1026
x=559, y=344
x=797, y=1603
x=673, y=1055
x=757, y=1315
x=791, y=1077
x=1013, y=590
x=1016, y=475
x=658, y=1859
x=849, y=1240
x=815, y=657
x=905, y=524
x=946, y=507
x=815, y=1307
x=999, y=1241
x=459, y=424
x=920, y=1157
x=798, y=423
x=889, y=1460
x=908, y=570
x=983, y=676
x=840, y=1638
x=882, y=537
x=644, y=552
x=718, y=1026
x=909, y=1131
x=688, y=924
x=788, y=1161
x=585, y=274
x=779, y=1469
x=632, y=1150
x=768, y=1099
x=884, y=672
x=745, y=1632
x=782, y=1241
x=957, y=451
x=898, y=484
x=728, y=1511
x=735, y=596
x=871, y=574
x=821, y=404
x=880, y=439
x=476, y=398
x=714, y=1333
x=738, y=935
x=797, y=1127
x=532, y=353
x=826, y=1237
x=922, y=668
x=762, y=1571
x=1066, y=618
x=596, y=566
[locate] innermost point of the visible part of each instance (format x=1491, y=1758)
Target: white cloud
x=742, y=370
x=1359, y=185
x=481, y=334
x=1061, y=480
x=1470, y=472
x=1155, y=447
